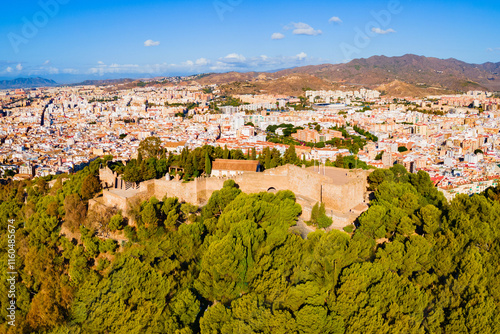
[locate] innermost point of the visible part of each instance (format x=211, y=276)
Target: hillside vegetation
x=414, y=264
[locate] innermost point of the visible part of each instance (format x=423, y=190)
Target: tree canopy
x=415, y=263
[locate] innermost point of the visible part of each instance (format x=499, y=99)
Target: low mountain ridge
x=448, y=74
x=26, y=83
x=103, y=82
x=409, y=74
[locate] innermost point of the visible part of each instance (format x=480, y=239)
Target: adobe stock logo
x=30, y=28
x=363, y=38
x=223, y=6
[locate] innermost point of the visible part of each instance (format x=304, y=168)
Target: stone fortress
x=344, y=192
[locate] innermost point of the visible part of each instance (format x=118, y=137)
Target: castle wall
x=344, y=197
x=111, y=199
x=309, y=187
x=206, y=186
x=107, y=177
x=185, y=191
x=252, y=183
x=123, y=200
x=306, y=183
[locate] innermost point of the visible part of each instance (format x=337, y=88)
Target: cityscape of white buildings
x=59, y=130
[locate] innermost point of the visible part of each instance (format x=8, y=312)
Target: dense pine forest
x=413, y=264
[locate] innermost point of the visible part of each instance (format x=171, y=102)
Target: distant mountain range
x=103, y=82
x=408, y=75
x=26, y=83
x=418, y=70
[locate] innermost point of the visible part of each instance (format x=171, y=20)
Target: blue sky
x=70, y=40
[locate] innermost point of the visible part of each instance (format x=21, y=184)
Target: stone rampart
x=339, y=189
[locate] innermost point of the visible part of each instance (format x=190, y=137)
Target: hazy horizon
x=77, y=78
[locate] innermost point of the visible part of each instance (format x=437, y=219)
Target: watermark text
x=11, y=272
x=31, y=27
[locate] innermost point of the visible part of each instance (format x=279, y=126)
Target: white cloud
x=382, y=32
x=302, y=28
x=202, y=62
x=42, y=70
x=150, y=42
x=130, y=68
x=492, y=49
x=335, y=19
x=234, y=57
x=261, y=63
x=47, y=62
x=70, y=71
x=52, y=70
x=277, y=35
x=19, y=67
x=238, y=62
x=301, y=56
x=221, y=66
x=230, y=62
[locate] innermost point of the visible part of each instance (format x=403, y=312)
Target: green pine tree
x=208, y=165
x=139, y=158
x=254, y=154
